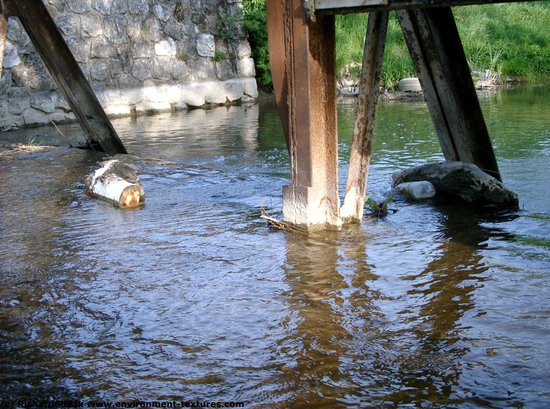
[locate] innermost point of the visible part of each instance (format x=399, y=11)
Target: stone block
x=203, y=69
x=43, y=101
x=179, y=70
x=69, y=25
x=162, y=12
x=115, y=31
x=32, y=74
x=246, y=68
x=119, y=7
x=243, y=49
x=174, y=29
x=142, y=50
x=138, y=6
x=33, y=117
x=79, y=48
x=142, y=69
x=5, y=83
x=91, y=25
x=11, y=55
x=234, y=89
x=206, y=45
x=250, y=87
x=79, y=6
x=162, y=68
x=60, y=103
x=224, y=70
x=151, y=30
x=9, y=122
x=102, y=48
x=99, y=70
x=166, y=47
x=102, y=6
x=192, y=94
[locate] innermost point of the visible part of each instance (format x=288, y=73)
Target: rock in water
x=461, y=180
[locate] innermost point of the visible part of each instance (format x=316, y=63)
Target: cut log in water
x=116, y=182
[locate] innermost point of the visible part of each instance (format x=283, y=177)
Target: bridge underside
x=302, y=54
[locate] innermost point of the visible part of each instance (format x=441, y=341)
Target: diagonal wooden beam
x=369, y=89
x=436, y=50
x=66, y=72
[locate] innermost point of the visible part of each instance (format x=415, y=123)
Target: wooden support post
x=438, y=56
x=369, y=89
x=303, y=61
x=65, y=71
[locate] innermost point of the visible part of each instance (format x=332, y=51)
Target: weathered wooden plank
x=336, y=4
x=428, y=69
x=436, y=50
x=353, y=6
x=369, y=89
x=303, y=65
x=66, y=72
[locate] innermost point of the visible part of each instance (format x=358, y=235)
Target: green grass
x=511, y=40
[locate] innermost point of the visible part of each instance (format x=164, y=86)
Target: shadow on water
x=344, y=350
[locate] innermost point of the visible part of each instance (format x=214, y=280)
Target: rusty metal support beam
x=436, y=50
x=369, y=89
x=65, y=71
x=303, y=61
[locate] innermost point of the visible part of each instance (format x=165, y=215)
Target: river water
x=193, y=297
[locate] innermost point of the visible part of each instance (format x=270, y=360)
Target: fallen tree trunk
x=116, y=182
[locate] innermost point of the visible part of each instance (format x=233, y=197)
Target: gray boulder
x=459, y=180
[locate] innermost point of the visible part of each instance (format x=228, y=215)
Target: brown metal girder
x=302, y=59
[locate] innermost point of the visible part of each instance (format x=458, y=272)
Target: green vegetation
x=510, y=40
x=378, y=209
x=229, y=25
x=255, y=23
x=219, y=56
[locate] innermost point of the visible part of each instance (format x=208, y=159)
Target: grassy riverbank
x=510, y=40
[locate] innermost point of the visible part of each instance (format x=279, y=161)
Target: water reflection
x=345, y=348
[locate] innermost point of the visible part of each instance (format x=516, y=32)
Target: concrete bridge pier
x=303, y=61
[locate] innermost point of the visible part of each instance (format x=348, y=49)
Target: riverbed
x=194, y=298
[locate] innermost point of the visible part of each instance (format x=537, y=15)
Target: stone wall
x=140, y=56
